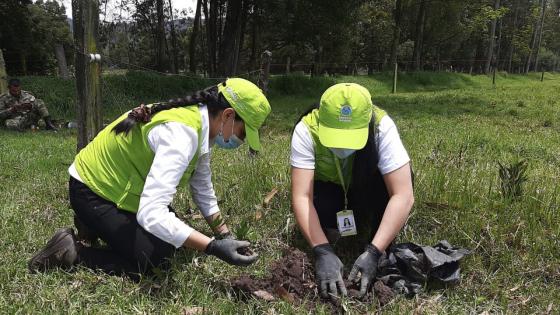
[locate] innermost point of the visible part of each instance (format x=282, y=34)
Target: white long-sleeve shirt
x=174, y=145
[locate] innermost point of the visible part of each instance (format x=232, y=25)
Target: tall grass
x=457, y=130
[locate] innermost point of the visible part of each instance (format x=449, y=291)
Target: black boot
x=61, y=251
x=49, y=125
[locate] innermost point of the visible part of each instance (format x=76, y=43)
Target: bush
x=299, y=84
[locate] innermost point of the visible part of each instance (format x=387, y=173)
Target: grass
x=457, y=129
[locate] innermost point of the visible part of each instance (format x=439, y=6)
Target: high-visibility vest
x=115, y=167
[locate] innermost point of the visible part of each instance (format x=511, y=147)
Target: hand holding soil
x=229, y=251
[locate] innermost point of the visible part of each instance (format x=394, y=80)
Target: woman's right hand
x=227, y=250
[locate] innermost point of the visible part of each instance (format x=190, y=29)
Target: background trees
x=226, y=37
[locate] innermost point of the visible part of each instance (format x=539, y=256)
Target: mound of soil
x=291, y=278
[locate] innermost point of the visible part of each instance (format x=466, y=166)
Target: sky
x=177, y=5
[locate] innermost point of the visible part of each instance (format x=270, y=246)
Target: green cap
x=344, y=116
x=250, y=103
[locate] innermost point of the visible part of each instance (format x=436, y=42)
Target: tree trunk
x=513, y=32
x=194, y=35
x=175, y=59
x=210, y=8
x=491, y=40
x=533, y=44
x=499, y=46
x=254, y=36
x=23, y=58
x=230, y=38
x=3, y=75
x=396, y=31
x=541, y=28
x=420, y=21
x=61, y=60
x=160, y=37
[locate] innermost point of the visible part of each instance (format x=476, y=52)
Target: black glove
x=227, y=249
x=328, y=271
x=366, y=264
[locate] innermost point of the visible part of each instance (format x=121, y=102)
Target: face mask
x=233, y=142
x=342, y=153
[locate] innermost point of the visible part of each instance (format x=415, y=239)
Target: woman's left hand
x=366, y=264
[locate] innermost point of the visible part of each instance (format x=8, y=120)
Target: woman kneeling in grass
x=350, y=175
x=123, y=182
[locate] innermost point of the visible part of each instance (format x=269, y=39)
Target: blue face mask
x=232, y=143
x=342, y=153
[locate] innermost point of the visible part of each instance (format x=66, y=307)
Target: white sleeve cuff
x=181, y=236
x=208, y=212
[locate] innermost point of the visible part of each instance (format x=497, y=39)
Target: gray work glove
x=366, y=265
x=328, y=271
x=226, y=250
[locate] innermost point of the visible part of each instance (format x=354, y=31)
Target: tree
x=491, y=39
x=194, y=36
x=420, y=22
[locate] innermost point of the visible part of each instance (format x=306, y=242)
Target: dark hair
x=305, y=113
x=210, y=97
x=14, y=82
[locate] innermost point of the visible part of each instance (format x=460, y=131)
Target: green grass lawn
x=456, y=128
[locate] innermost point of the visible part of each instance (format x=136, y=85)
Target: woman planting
x=123, y=182
x=350, y=175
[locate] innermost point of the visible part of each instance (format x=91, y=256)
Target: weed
x=512, y=177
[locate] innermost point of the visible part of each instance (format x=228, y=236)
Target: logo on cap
x=232, y=93
x=345, y=113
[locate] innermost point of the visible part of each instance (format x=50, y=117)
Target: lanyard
x=344, y=187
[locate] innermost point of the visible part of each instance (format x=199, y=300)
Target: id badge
x=346, y=223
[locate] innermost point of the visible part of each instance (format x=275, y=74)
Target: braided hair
x=210, y=97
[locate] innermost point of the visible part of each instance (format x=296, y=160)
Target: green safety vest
x=325, y=167
x=115, y=167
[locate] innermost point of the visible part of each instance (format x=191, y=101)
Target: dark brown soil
x=291, y=278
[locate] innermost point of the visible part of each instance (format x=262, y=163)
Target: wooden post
x=288, y=65
x=542, y=75
x=262, y=82
x=493, y=77
x=395, y=77
x=88, y=70
x=3, y=75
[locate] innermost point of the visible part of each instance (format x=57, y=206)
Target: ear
x=228, y=114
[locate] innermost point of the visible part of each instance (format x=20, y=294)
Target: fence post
x=493, y=77
x=288, y=64
x=542, y=75
x=395, y=77
x=3, y=76
x=88, y=70
x=262, y=82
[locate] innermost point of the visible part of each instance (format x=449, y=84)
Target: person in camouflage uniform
x=19, y=110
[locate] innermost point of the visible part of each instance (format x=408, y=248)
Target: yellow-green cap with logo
x=250, y=103
x=344, y=115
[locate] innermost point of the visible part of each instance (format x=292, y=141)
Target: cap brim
x=253, y=138
x=343, y=138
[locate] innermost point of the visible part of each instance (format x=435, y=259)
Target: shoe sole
x=52, y=248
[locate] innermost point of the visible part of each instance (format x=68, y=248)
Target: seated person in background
x=19, y=110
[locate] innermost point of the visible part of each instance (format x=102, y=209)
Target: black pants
x=368, y=204
x=131, y=249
